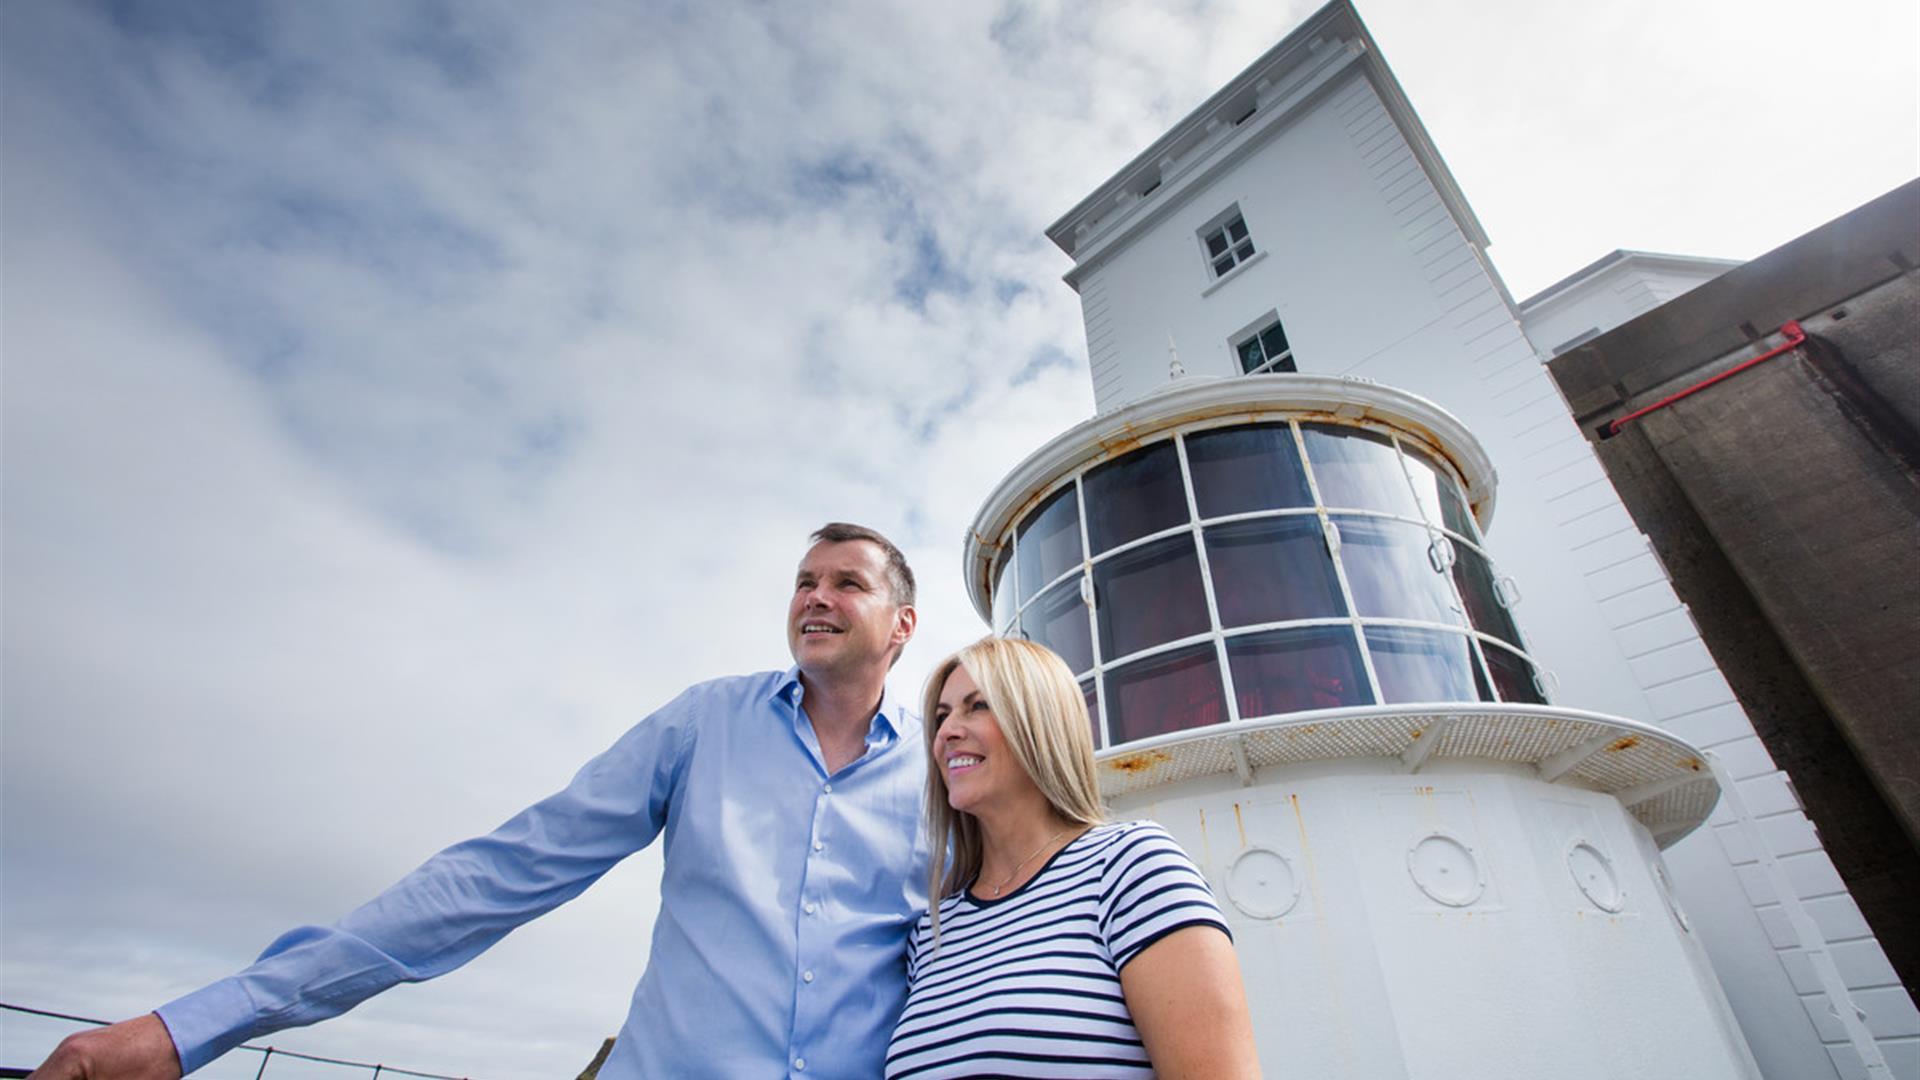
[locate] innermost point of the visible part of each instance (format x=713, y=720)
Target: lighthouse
x=1358, y=618
x=1297, y=658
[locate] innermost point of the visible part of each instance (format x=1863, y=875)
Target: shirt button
x=800, y=1064
x=806, y=976
x=828, y=788
x=818, y=846
x=809, y=909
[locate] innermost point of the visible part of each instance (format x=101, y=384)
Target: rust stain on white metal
x=1625, y=742
x=1306, y=849
x=1135, y=764
x=1127, y=438
x=1240, y=824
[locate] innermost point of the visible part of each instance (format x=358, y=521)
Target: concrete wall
x=1373, y=277
x=1786, y=502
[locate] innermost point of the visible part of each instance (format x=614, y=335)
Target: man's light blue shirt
x=785, y=904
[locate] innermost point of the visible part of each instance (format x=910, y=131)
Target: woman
x=1058, y=945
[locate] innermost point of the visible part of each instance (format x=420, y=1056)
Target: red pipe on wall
x=1795, y=338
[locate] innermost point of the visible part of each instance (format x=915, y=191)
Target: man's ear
x=904, y=622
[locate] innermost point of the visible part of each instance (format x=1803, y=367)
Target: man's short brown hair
x=899, y=574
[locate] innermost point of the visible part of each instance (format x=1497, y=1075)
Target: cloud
x=402, y=399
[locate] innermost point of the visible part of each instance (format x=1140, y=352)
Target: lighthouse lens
x=1049, y=541
x=1284, y=671
x=1439, y=496
x=1002, y=589
x=1423, y=665
x=1474, y=575
x=1390, y=573
x=1134, y=496
x=1273, y=570
x=1170, y=691
x=1239, y=470
x=1149, y=595
x=1059, y=621
x=1358, y=470
x=1513, y=676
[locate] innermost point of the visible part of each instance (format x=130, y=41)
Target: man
x=794, y=864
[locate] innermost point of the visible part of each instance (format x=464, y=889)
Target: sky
x=399, y=400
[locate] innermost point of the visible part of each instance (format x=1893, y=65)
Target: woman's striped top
x=1029, y=984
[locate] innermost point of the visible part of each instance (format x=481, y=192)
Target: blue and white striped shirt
x=1028, y=984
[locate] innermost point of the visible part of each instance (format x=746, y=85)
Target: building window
x=1228, y=244
x=1266, y=350
x=1258, y=567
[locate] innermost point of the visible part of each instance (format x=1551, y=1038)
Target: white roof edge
x=1199, y=398
x=1619, y=257
x=1292, y=51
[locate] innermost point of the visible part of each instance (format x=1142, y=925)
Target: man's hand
x=137, y=1049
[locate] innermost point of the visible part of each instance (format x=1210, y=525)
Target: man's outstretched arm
x=443, y=914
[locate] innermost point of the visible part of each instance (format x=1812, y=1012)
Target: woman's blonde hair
x=1043, y=718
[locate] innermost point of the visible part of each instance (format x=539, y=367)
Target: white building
x=1301, y=219
x=1610, y=291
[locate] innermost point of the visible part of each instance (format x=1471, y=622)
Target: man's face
x=843, y=618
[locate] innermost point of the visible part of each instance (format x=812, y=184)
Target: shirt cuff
x=208, y=1022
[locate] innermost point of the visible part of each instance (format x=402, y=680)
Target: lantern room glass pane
x=1512, y=676
x=1391, y=573
x=1172, y=691
x=1236, y=470
x=1474, y=575
x=1358, y=470
x=1285, y=671
x=1273, y=570
x=1423, y=666
x=1093, y=708
x=1149, y=595
x=1049, y=541
x=1438, y=494
x=1059, y=621
x=1002, y=591
x=1134, y=496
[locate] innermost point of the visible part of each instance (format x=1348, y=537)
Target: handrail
x=1796, y=337
x=267, y=1052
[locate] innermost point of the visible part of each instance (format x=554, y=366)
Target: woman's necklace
x=1008, y=880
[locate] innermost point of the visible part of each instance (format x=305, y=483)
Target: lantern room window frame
x=1004, y=578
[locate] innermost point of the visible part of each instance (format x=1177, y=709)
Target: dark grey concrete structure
x=1785, y=503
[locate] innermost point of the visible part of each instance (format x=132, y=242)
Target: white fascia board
x=1304, y=63
x=1621, y=260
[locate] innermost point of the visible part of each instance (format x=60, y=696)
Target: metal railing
x=267, y=1053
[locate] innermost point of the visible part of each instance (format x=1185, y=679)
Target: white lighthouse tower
x=1457, y=834
x=1298, y=659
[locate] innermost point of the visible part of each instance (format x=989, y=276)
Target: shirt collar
x=889, y=724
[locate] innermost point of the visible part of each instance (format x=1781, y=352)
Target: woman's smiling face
x=969, y=750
